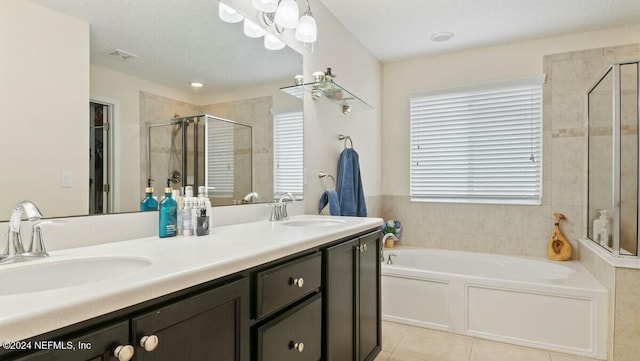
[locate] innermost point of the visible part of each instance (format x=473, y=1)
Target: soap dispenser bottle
x=168, y=221
x=601, y=229
x=149, y=203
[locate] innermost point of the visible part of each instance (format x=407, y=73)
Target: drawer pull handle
x=298, y=346
x=149, y=342
x=297, y=282
x=124, y=353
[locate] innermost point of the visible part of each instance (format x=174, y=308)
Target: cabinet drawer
x=284, y=284
x=296, y=335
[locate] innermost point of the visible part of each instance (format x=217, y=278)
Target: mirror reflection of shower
x=201, y=150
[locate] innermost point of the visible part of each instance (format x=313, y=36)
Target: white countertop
x=178, y=263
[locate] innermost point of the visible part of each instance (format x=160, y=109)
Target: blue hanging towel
x=330, y=198
x=349, y=188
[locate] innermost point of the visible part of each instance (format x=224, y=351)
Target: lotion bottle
x=168, y=221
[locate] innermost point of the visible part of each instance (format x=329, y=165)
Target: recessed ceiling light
x=197, y=85
x=441, y=36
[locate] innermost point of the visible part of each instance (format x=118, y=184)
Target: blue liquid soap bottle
x=168, y=214
x=149, y=203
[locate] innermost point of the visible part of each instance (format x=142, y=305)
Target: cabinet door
x=296, y=335
x=369, y=324
x=211, y=326
x=339, y=301
x=94, y=346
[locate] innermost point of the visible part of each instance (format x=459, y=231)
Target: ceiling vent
x=120, y=54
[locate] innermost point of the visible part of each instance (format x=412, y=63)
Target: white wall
x=361, y=73
x=123, y=90
x=511, y=61
x=44, y=113
x=510, y=229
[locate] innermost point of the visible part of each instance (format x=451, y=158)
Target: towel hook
x=322, y=175
x=345, y=138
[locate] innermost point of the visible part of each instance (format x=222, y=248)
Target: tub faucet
x=390, y=260
x=14, y=247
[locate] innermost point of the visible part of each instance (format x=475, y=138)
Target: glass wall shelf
x=332, y=91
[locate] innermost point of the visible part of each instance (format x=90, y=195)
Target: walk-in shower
x=613, y=159
x=201, y=150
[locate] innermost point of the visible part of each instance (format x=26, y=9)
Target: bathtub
x=557, y=306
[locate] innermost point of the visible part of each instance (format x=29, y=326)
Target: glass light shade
x=228, y=14
x=287, y=14
x=252, y=30
x=267, y=6
x=307, y=30
x=273, y=43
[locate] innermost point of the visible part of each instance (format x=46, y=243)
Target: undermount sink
x=314, y=222
x=42, y=276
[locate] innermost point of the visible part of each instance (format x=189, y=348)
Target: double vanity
x=303, y=289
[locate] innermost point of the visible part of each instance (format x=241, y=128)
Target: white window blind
x=219, y=158
x=478, y=145
x=288, y=154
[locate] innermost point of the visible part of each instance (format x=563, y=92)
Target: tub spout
x=384, y=239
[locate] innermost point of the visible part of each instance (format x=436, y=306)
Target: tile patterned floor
x=406, y=343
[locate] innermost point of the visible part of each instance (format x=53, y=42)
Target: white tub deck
x=557, y=306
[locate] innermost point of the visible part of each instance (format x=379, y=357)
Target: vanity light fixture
x=252, y=29
x=287, y=14
x=281, y=14
x=273, y=43
x=197, y=85
x=228, y=14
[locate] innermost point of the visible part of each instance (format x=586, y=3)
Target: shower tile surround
x=156, y=108
x=525, y=230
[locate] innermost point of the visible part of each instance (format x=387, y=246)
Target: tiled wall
x=626, y=344
x=524, y=230
x=255, y=112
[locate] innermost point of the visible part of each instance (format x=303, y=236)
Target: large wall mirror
x=143, y=56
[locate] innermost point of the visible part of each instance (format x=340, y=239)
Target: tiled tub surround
x=525, y=230
x=522, y=300
x=622, y=279
x=178, y=263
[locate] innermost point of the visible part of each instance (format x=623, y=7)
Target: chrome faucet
x=250, y=196
x=279, y=209
x=14, y=248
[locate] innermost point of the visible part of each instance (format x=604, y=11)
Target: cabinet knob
x=124, y=353
x=149, y=342
x=297, y=282
x=298, y=346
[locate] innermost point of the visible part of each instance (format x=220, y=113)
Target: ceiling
x=178, y=44
x=401, y=29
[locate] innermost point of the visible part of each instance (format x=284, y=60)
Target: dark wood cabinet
x=319, y=304
x=352, y=299
x=97, y=345
x=296, y=335
x=206, y=327
x=282, y=285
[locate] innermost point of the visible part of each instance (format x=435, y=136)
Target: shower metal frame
x=196, y=119
x=616, y=166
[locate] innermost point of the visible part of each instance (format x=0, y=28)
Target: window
x=220, y=158
x=478, y=145
x=288, y=154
